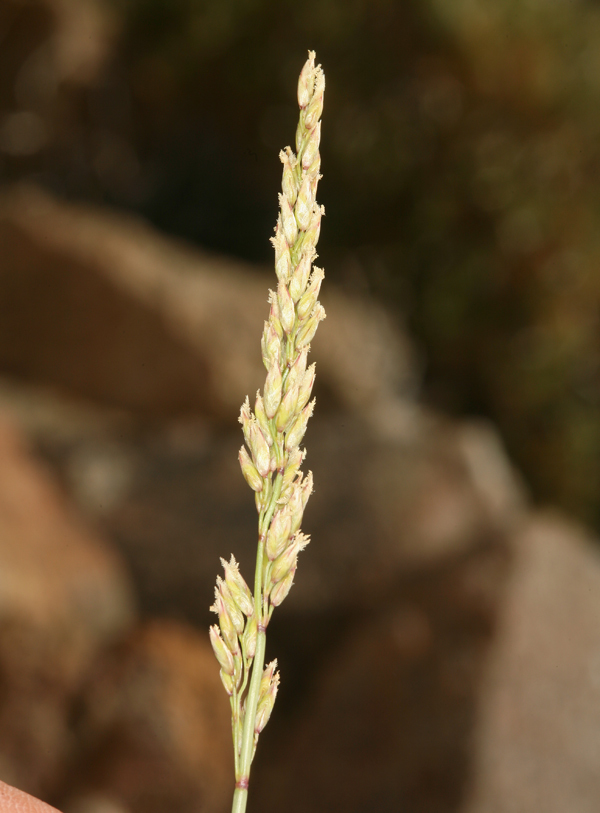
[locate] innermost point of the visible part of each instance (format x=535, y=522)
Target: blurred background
x=440, y=651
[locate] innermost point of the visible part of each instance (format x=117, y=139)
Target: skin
x=16, y=801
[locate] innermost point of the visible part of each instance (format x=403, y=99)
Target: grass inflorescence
x=271, y=457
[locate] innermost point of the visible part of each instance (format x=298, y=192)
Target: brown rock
x=475, y=689
x=102, y=306
x=387, y=725
x=383, y=504
x=381, y=529
x=537, y=738
x=154, y=733
x=63, y=596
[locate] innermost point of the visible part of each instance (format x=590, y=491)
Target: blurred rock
x=537, y=737
x=153, y=729
x=101, y=306
x=64, y=595
x=407, y=528
x=159, y=343
x=419, y=497
x=474, y=689
x=387, y=725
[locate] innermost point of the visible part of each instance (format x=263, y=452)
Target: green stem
x=235, y=706
x=240, y=796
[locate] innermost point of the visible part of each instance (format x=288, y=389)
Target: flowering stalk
x=271, y=458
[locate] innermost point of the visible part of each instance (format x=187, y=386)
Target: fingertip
x=13, y=800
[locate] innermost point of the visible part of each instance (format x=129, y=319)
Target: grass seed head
x=272, y=457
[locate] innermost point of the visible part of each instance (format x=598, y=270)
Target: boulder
x=537, y=737
x=64, y=595
x=153, y=729
x=386, y=502
x=386, y=724
x=102, y=306
x=475, y=689
x=426, y=608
